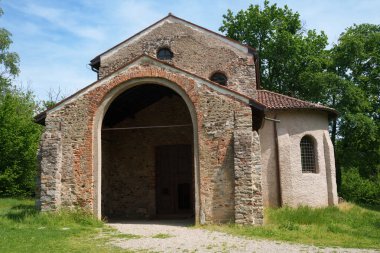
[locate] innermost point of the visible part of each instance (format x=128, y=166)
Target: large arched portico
x=135, y=173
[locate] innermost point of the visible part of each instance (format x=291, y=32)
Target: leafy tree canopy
x=18, y=133
x=356, y=59
x=8, y=60
x=19, y=137
x=285, y=48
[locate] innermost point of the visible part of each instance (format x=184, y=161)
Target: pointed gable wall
x=196, y=50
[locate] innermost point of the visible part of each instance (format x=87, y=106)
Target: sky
x=56, y=39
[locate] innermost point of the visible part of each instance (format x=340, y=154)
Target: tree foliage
x=346, y=77
x=359, y=189
x=8, y=60
x=19, y=137
x=356, y=59
x=286, y=49
x=18, y=133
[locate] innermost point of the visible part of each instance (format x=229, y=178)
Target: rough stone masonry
x=99, y=150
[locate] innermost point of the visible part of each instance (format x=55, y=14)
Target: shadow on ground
x=20, y=212
x=167, y=222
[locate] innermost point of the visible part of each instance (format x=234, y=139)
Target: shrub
x=358, y=189
x=19, y=137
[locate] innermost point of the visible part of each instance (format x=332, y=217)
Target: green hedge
x=358, y=189
x=19, y=137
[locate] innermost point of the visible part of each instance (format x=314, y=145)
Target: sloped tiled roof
x=275, y=101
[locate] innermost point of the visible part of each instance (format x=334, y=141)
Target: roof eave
x=256, y=104
x=40, y=118
x=331, y=112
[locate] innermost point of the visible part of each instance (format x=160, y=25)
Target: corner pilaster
x=247, y=168
x=50, y=163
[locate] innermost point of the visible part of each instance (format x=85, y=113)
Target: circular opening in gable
x=219, y=78
x=164, y=54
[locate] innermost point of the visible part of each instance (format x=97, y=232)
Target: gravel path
x=175, y=236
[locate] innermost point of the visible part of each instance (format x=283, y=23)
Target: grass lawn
x=347, y=225
x=22, y=229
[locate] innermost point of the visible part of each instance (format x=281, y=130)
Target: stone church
x=177, y=126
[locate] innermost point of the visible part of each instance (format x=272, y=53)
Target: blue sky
x=57, y=39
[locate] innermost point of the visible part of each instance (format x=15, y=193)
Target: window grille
x=164, y=54
x=219, y=78
x=308, y=155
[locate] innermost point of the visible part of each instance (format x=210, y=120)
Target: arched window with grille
x=308, y=155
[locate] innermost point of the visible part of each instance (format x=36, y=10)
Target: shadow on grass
x=370, y=207
x=20, y=212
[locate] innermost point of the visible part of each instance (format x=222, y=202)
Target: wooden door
x=174, y=180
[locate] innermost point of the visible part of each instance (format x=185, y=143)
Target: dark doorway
x=147, y=157
x=174, y=180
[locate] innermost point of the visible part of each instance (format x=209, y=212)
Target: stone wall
x=216, y=157
x=50, y=160
x=247, y=171
x=215, y=120
x=194, y=51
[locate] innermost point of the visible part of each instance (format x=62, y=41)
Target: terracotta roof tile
x=276, y=101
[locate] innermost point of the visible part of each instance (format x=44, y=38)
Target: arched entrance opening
x=147, y=155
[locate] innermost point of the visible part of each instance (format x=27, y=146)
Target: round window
x=164, y=54
x=219, y=78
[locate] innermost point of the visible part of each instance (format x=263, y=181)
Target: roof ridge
x=96, y=58
x=287, y=96
x=130, y=37
x=216, y=33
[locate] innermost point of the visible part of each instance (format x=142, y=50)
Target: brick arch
x=100, y=92
x=103, y=96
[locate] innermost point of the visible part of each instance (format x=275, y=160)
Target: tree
x=296, y=62
x=54, y=96
x=286, y=50
x=8, y=60
x=19, y=137
x=356, y=58
x=18, y=133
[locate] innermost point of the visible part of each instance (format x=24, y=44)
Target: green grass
x=126, y=236
x=348, y=226
x=162, y=236
x=23, y=229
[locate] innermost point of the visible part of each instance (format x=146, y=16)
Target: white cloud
x=65, y=19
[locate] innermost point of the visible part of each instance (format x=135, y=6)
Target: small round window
x=219, y=78
x=164, y=54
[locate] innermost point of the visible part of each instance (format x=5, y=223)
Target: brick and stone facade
x=82, y=164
